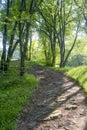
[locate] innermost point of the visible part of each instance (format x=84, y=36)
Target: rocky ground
x=57, y=104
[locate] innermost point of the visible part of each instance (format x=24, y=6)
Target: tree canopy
x=57, y=22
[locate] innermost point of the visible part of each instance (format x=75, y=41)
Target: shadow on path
x=57, y=104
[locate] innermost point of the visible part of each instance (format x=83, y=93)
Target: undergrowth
x=15, y=92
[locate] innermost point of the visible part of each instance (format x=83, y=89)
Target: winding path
x=57, y=104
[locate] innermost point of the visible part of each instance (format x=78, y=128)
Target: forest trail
x=57, y=104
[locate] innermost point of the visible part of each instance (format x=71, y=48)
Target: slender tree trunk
x=3, y=57
x=21, y=33
x=67, y=56
x=10, y=52
x=53, y=44
x=22, y=64
x=21, y=27
x=30, y=46
x=26, y=40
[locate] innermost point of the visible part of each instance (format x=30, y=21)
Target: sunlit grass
x=15, y=92
x=80, y=75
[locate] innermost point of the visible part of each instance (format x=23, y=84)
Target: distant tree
x=57, y=22
x=47, y=26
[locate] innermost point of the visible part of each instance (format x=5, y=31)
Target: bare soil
x=58, y=103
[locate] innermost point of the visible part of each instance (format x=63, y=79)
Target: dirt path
x=58, y=104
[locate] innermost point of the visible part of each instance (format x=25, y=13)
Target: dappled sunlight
x=58, y=103
x=67, y=84
x=54, y=109
x=53, y=114
x=41, y=77
x=42, y=44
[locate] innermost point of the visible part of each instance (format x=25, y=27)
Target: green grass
x=15, y=92
x=80, y=75
x=65, y=69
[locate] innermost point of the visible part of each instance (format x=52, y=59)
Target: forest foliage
x=61, y=26
x=53, y=32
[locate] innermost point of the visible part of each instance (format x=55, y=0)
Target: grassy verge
x=14, y=94
x=80, y=75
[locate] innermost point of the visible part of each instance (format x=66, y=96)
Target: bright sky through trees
x=0, y=43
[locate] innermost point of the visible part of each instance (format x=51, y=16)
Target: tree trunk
x=22, y=67
x=3, y=57
x=30, y=46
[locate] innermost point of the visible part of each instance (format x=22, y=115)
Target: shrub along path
x=57, y=104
